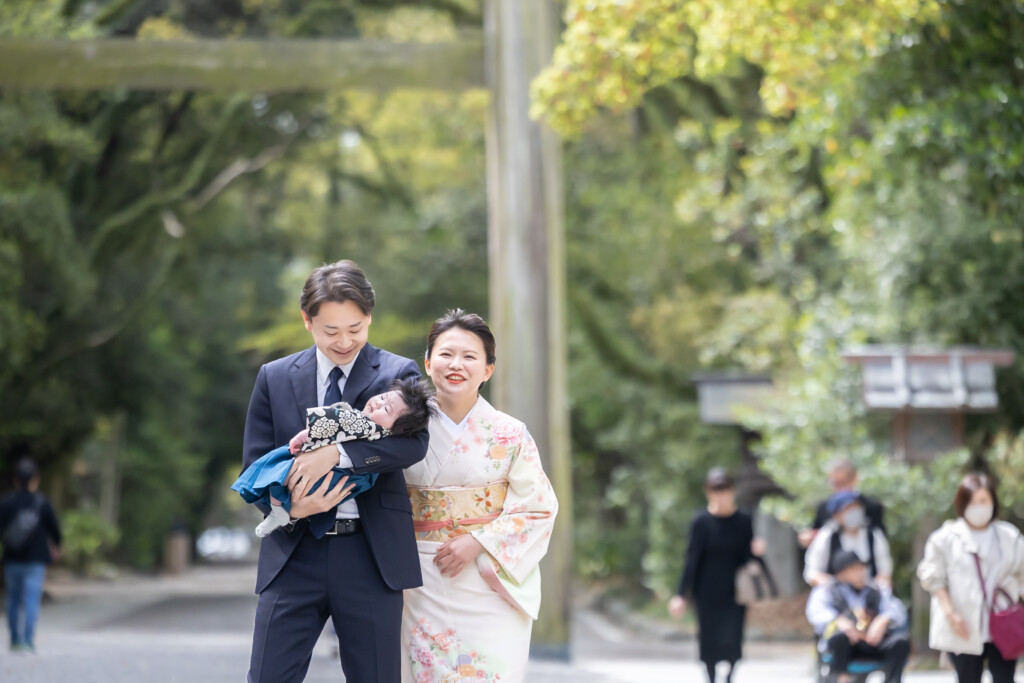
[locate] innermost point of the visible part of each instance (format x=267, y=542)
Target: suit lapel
x=363, y=373
x=303, y=374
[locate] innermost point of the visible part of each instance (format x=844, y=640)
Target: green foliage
x=88, y=542
x=153, y=245
x=852, y=179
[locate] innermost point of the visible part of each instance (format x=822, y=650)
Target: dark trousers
x=334, y=577
x=970, y=667
x=892, y=651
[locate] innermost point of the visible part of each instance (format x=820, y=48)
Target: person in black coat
x=721, y=541
x=28, y=526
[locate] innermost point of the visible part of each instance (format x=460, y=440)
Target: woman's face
x=981, y=497
x=458, y=364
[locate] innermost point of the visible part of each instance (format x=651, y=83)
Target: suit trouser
x=893, y=651
x=334, y=577
x=970, y=667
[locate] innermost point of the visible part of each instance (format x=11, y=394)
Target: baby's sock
x=277, y=518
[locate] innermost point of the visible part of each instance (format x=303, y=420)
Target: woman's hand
x=957, y=623
x=320, y=500
x=453, y=556
x=308, y=468
x=757, y=547
x=677, y=606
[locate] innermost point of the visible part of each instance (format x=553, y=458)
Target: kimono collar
x=457, y=429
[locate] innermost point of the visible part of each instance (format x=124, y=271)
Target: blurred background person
x=721, y=541
x=842, y=476
x=855, y=618
x=848, y=529
x=28, y=526
x=958, y=556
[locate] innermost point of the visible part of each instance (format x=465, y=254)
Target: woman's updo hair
x=471, y=322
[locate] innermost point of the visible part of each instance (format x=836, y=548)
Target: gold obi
x=439, y=514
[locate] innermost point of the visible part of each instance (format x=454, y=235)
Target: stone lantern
x=928, y=390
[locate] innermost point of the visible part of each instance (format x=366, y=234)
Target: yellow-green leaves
x=614, y=51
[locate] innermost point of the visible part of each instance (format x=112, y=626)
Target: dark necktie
x=333, y=394
x=322, y=521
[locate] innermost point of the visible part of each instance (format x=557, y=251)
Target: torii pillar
x=527, y=275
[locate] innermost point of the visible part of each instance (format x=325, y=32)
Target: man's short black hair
x=419, y=398
x=25, y=471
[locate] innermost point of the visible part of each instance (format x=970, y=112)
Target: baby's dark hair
x=417, y=395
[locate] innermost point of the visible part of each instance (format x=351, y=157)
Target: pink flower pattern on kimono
x=436, y=657
x=519, y=537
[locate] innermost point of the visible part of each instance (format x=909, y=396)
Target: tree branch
x=236, y=169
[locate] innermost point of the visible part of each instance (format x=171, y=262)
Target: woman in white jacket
x=949, y=571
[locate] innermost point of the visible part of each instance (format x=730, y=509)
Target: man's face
x=339, y=330
x=842, y=480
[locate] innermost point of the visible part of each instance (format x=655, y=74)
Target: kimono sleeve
x=519, y=537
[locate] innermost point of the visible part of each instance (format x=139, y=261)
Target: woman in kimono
x=483, y=511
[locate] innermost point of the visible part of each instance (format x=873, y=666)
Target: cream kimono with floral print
x=482, y=477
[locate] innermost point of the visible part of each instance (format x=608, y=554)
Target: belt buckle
x=342, y=526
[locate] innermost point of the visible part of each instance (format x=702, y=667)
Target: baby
x=403, y=410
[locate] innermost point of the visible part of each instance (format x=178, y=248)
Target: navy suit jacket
x=277, y=411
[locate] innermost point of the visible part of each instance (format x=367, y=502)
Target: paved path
x=196, y=628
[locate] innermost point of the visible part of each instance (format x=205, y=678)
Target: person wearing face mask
x=848, y=529
x=958, y=557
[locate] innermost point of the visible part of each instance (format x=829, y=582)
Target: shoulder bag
x=1005, y=626
x=754, y=583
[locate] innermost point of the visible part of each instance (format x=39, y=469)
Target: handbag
x=754, y=583
x=1006, y=626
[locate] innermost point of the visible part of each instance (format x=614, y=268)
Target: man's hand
x=453, y=556
x=758, y=547
x=806, y=536
x=850, y=629
x=677, y=606
x=876, y=631
x=320, y=500
x=308, y=468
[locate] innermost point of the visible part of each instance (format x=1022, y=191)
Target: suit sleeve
x=259, y=427
x=394, y=452
x=876, y=513
x=259, y=423
x=820, y=515
x=694, y=551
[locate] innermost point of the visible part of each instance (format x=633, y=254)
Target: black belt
x=343, y=527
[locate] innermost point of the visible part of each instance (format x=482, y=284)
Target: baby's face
x=384, y=409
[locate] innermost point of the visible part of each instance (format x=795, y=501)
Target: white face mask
x=978, y=515
x=853, y=518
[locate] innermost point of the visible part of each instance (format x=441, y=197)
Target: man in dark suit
x=842, y=476
x=348, y=562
